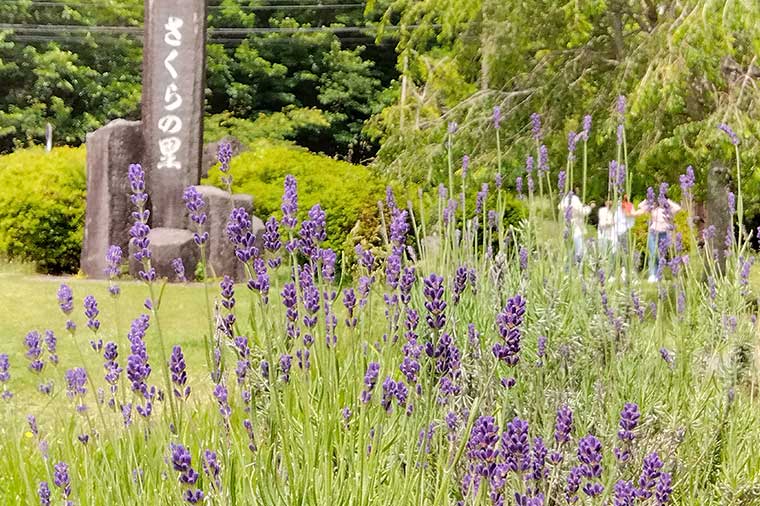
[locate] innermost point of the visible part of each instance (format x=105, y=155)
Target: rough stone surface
x=210, y=150
x=220, y=253
x=172, y=103
x=110, y=151
x=166, y=244
x=716, y=208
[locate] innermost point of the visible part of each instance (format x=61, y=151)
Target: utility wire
x=211, y=7
x=135, y=30
x=81, y=39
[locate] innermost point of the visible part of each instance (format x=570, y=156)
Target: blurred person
x=661, y=212
x=575, y=213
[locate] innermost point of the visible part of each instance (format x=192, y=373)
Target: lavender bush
x=489, y=369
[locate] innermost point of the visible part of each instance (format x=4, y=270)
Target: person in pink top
x=661, y=212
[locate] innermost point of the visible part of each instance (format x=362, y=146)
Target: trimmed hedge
x=348, y=193
x=42, y=204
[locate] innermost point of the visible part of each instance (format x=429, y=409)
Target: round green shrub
x=42, y=204
x=348, y=193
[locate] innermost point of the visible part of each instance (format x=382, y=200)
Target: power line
x=135, y=30
x=318, y=6
x=83, y=39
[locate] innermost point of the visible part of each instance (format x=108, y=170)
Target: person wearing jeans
x=661, y=213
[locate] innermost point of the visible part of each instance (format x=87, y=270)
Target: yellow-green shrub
x=348, y=193
x=42, y=203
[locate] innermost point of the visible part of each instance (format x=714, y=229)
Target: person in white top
x=575, y=213
x=606, y=237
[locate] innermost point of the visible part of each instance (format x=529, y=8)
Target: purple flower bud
x=289, y=202
x=535, y=121
x=496, y=117
x=730, y=133
x=61, y=478
x=65, y=299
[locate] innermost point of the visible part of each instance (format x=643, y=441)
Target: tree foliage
x=79, y=80
x=685, y=66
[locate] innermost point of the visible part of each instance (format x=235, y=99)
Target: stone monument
x=168, y=141
x=174, y=71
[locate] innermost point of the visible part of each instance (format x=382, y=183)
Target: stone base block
x=220, y=253
x=110, y=151
x=166, y=244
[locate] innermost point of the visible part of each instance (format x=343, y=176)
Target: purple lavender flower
x=519, y=186
x=561, y=179
x=564, y=425
x=91, y=312
x=586, y=127
x=516, y=446
x=389, y=393
x=664, y=489
x=482, y=446
x=667, y=356
x=523, y=258
x=538, y=460
x=289, y=202
x=5, y=375
x=61, y=479
x=182, y=463
x=220, y=392
x=408, y=278
x=195, y=205
x=543, y=158
x=541, y=346
x=136, y=177
x=731, y=203
x=43, y=491
x=76, y=379
x=687, y=181
x=370, y=379
x=65, y=299
x=138, y=368
x=241, y=236
x=508, y=322
x=535, y=122
x=271, y=237
x=621, y=103
x=113, y=371
x=212, y=468
x=625, y=494
x=436, y=306
x=573, y=483
x=113, y=261
x=224, y=156
x=285, y=364
x=650, y=472
x=496, y=117
x=453, y=127
x=629, y=419
x=572, y=140
x=590, y=456
x=730, y=133
x=179, y=269
x=179, y=373
x=33, y=345
x=460, y=283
